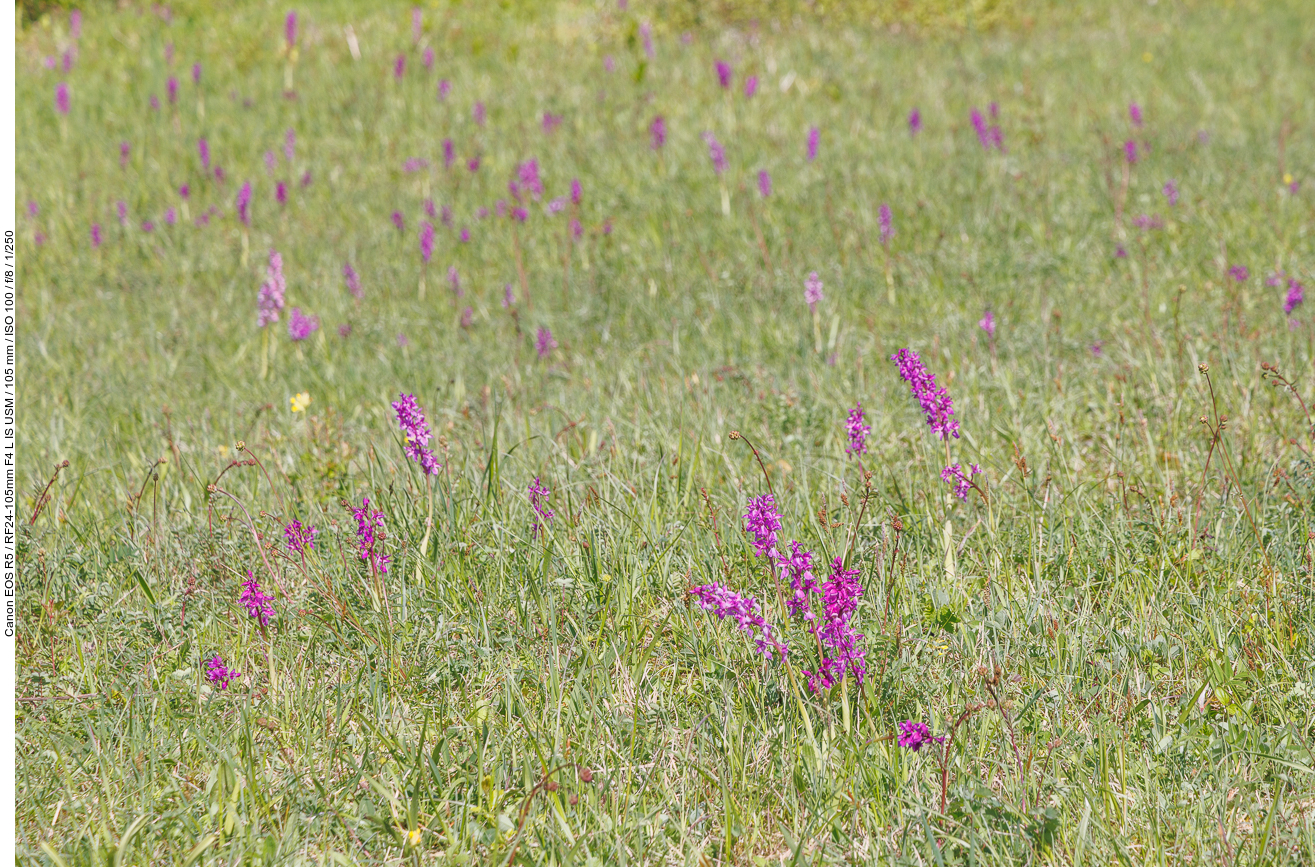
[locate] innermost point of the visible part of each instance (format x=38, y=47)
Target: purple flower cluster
x=301, y=326
x=989, y=136
x=1134, y=114
x=746, y=613
x=762, y=522
x=369, y=536
x=527, y=179
x=797, y=568
x=1296, y=295
x=415, y=430
x=724, y=73
x=300, y=537
x=1239, y=273
x=987, y=324
x=857, y=428
x=426, y=241
x=887, y=228
x=539, y=503
x=1130, y=151
x=244, y=204
x=218, y=673
x=915, y=122
x=916, y=735
x=544, y=342
x=814, y=139
x=270, y=299
x=963, y=483
x=657, y=132
x=353, y=280
x=935, y=402
x=840, y=593
x=812, y=291
x=716, y=152
x=258, y=605
x=764, y=183
x=1171, y=192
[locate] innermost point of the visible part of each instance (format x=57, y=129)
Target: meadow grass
x=1114, y=631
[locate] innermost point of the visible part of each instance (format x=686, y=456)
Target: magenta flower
x=345, y=330
x=446, y=216
x=987, y=324
x=557, y=205
x=244, y=204
x=1171, y=192
x=67, y=60
x=538, y=495
x=289, y=145
x=454, y=280
x=281, y=193
x=857, y=428
x=290, y=30
x=258, y=605
x=449, y=153
x=218, y=673
x=465, y=235
x=1296, y=295
x=508, y=296
x=1239, y=273
x=299, y=537
x=835, y=633
x=95, y=235
x=764, y=183
x=887, y=230
x=527, y=175
x=62, y=98
x=444, y=88
x=171, y=216
x=1130, y=151
x=398, y=221
x=415, y=433
x=814, y=139
x=301, y=326
x=520, y=214
x=915, y=736
x=416, y=20
x=402, y=341
x=988, y=136
x=915, y=122
x=426, y=241
x=414, y=165
x=184, y=191
x=646, y=35
x=75, y=23
x=428, y=58
x=122, y=208
x=812, y=291
x=797, y=569
x=399, y=67
x=716, y=152
x=1098, y=349
x=962, y=483
x=370, y=536
x=935, y=402
x=577, y=230
x=155, y=102
x=544, y=342
x=353, y=280
x=305, y=179
x=196, y=73
x=761, y=521
x=724, y=73
x=577, y=192
x=1134, y=114
x=551, y=122
x=750, y=86
x=147, y=226
x=203, y=147
x=657, y=132
x=478, y=113
x=473, y=164
x=746, y=613
x=171, y=88
x=269, y=301
x=467, y=317
x=1144, y=221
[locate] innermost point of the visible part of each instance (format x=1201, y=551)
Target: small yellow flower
x=1287, y=178
x=1147, y=58
x=299, y=402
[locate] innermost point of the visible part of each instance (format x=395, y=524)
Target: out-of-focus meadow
x=638, y=264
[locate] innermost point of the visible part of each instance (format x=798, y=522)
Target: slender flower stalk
x=539, y=495
x=857, y=429
x=935, y=401
x=259, y=605
x=745, y=612
x=415, y=432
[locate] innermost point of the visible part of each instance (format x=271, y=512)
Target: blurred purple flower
x=577, y=230
x=428, y=58
x=716, y=152
x=172, y=89
x=353, y=279
x=750, y=86
x=290, y=30
x=1130, y=151
x=125, y=153
x=987, y=324
x=478, y=113
x=1296, y=295
x=244, y=204
x=75, y=23
x=289, y=145
x=399, y=67
x=724, y=73
x=454, y=280
x=155, y=102
x=508, y=296
x=345, y=330
x=556, y=206
x=301, y=326
x=764, y=183
x=473, y=164
x=812, y=291
x=551, y=122
x=269, y=300
x=305, y=179
x=608, y=63
x=884, y=220
x=203, y=147
x=416, y=20
x=95, y=235
x=915, y=122
x=398, y=221
x=414, y=165
x=814, y=139
x=1239, y=273
x=444, y=88
x=62, y=98
x=121, y=208
x=449, y=153
x=544, y=343
x=1171, y=192
x=171, y=216
x=426, y=241
x=657, y=132
x=271, y=162
x=577, y=192
x=646, y=36
x=1134, y=113
x=467, y=317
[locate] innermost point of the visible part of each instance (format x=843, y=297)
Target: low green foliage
x=1114, y=636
